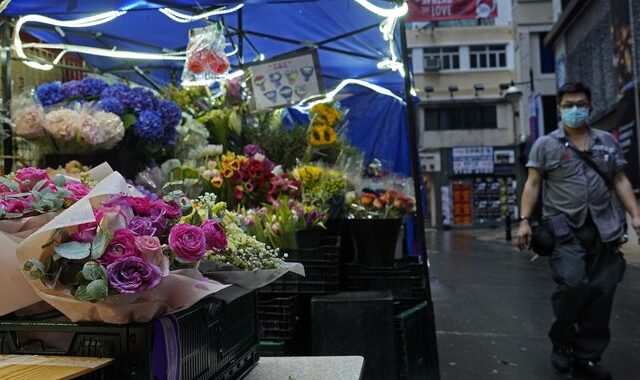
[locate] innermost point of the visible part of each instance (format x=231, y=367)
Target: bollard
x=507, y=227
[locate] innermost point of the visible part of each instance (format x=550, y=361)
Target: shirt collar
x=593, y=137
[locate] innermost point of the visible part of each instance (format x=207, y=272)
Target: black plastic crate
x=406, y=281
x=278, y=317
x=412, y=341
x=275, y=348
x=321, y=266
x=217, y=341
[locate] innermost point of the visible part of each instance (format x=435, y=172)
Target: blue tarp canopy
x=347, y=35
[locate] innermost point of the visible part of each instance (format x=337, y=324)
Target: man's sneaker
x=592, y=370
x=561, y=359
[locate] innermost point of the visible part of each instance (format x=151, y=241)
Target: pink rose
x=215, y=235
x=29, y=177
x=151, y=250
x=114, y=217
x=122, y=245
x=85, y=232
x=17, y=206
x=172, y=210
x=140, y=205
x=187, y=242
x=77, y=189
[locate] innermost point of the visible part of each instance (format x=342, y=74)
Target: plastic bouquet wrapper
x=102, y=259
x=206, y=59
x=234, y=256
x=30, y=199
x=76, y=128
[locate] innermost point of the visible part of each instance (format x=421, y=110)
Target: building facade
x=472, y=136
x=597, y=42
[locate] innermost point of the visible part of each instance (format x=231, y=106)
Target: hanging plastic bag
x=206, y=59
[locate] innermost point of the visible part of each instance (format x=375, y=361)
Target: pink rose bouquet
x=121, y=252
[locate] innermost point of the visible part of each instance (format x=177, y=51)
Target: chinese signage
x=286, y=80
x=441, y=10
x=472, y=160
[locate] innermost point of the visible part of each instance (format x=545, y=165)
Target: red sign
x=441, y=10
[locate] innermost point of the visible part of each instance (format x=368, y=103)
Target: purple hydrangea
x=93, y=86
x=149, y=126
x=111, y=105
x=170, y=112
x=50, y=93
x=118, y=91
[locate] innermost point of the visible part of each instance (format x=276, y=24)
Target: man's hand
x=523, y=239
x=635, y=222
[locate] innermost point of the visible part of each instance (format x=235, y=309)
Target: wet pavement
x=493, y=311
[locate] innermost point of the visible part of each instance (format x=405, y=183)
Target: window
x=547, y=59
x=488, y=57
x=441, y=58
x=461, y=117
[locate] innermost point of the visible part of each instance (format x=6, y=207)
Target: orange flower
x=217, y=181
x=367, y=199
x=378, y=203
x=227, y=173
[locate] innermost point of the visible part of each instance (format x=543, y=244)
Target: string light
x=306, y=104
x=79, y=23
x=4, y=4
x=394, y=12
x=185, y=18
x=66, y=48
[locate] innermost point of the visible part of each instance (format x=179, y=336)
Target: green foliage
x=35, y=269
x=60, y=180
x=100, y=243
x=284, y=147
x=128, y=120
x=93, y=271
x=73, y=250
x=95, y=291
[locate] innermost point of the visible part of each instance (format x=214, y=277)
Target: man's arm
x=627, y=197
x=528, y=203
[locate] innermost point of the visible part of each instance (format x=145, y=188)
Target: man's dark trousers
x=587, y=272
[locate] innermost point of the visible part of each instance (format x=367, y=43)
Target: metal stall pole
x=433, y=367
x=5, y=60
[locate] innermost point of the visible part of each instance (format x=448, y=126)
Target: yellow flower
x=309, y=173
x=322, y=136
x=217, y=181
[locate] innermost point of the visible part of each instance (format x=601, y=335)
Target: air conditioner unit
x=432, y=64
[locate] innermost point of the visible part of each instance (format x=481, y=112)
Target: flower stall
x=230, y=194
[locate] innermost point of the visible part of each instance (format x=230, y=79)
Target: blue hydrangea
x=118, y=91
x=72, y=89
x=170, y=112
x=111, y=105
x=93, y=86
x=149, y=126
x=140, y=99
x=50, y=93
x=170, y=136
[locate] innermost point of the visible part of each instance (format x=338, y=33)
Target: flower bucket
x=375, y=240
x=309, y=238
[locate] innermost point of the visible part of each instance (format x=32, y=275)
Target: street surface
x=493, y=310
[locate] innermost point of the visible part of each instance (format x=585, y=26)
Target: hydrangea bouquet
x=89, y=113
x=109, y=257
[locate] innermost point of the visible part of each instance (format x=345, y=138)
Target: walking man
x=583, y=205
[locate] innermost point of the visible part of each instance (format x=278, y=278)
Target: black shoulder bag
x=543, y=238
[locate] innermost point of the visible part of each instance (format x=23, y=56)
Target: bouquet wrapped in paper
x=232, y=256
x=29, y=198
x=106, y=258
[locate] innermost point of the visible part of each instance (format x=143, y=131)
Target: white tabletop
x=308, y=368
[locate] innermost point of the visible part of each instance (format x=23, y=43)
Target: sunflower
x=322, y=135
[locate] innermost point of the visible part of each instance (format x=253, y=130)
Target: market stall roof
x=347, y=35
